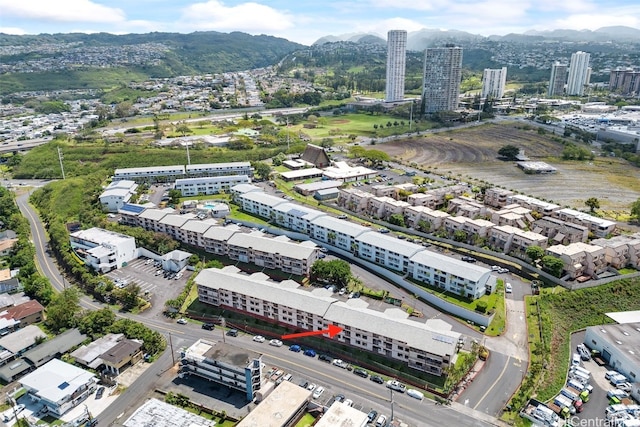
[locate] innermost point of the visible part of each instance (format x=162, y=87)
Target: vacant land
x=473, y=152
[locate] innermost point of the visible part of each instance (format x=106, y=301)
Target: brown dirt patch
x=339, y=121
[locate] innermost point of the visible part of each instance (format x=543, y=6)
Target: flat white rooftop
x=159, y=414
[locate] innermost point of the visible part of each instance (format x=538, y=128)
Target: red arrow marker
x=333, y=330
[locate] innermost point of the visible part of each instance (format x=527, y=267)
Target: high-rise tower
x=493, y=82
x=396, y=60
x=579, y=73
x=441, y=78
x=557, y=80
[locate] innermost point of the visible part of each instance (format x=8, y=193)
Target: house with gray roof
x=16, y=343
x=55, y=347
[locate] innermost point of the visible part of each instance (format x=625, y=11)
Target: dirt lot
x=473, y=152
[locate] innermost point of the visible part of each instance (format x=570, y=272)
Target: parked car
x=311, y=387
x=318, y=392
x=99, y=392
x=275, y=343
x=287, y=377
x=508, y=288
x=339, y=398
x=296, y=348
x=381, y=421
x=361, y=372
x=396, y=386
x=377, y=379
x=259, y=338
x=575, y=359
x=208, y=326
x=182, y=321
x=348, y=402
x=325, y=358
x=469, y=259
x=584, y=352
x=309, y=352
x=372, y=415
x=340, y=363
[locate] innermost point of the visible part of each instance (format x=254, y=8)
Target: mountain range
x=419, y=40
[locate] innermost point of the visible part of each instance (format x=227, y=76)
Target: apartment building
x=625, y=81
x=383, y=249
x=242, y=189
x=598, y=226
x=423, y=199
x=557, y=80
x=561, y=232
x=224, y=364
x=353, y=199
x=189, y=187
x=393, y=190
x=396, y=60
x=442, y=74
x=295, y=217
x=103, y=250
x=512, y=240
x=450, y=274
x=192, y=232
x=413, y=215
x=580, y=259
x=150, y=174
x=618, y=250
x=215, y=238
x=426, y=346
x=336, y=232
x=497, y=197
x=384, y=207
x=513, y=215
x=540, y=206
x=274, y=253
x=579, y=73
x=171, y=224
x=260, y=203
x=494, y=82
x=220, y=169
x=466, y=206
x=117, y=194
x=150, y=218
x=477, y=228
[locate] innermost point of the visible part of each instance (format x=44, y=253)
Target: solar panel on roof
x=132, y=208
x=443, y=339
x=63, y=385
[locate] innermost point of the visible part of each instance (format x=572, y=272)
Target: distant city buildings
x=579, y=73
x=441, y=79
x=557, y=80
x=396, y=60
x=625, y=81
x=494, y=82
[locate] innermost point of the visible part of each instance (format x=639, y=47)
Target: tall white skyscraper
x=441, y=79
x=493, y=82
x=396, y=61
x=557, y=80
x=579, y=73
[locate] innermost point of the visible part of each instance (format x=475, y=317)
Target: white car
x=415, y=394
x=348, y=402
x=182, y=321
x=311, y=387
x=318, y=392
x=508, y=288
x=258, y=338
x=340, y=363
x=9, y=414
x=275, y=343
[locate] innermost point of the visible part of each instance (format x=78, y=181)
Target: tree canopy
x=335, y=272
x=509, y=152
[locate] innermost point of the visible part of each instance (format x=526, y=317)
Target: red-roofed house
x=26, y=313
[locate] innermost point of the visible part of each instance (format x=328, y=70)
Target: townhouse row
x=429, y=347
x=407, y=258
x=173, y=172
x=278, y=253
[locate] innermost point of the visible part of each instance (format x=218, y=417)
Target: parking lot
x=155, y=286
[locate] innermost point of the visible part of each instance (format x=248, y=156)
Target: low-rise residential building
x=103, y=250
x=244, y=188
x=561, y=232
x=6, y=246
x=598, y=226
x=354, y=199
x=390, y=333
x=129, y=213
x=386, y=250
x=618, y=250
x=497, y=197
x=149, y=219
x=9, y=282
x=26, y=313
x=465, y=206
x=171, y=224
x=215, y=238
x=125, y=353
x=342, y=414
x=336, y=232
x=193, y=231
x=190, y=187
x=161, y=414
x=89, y=355
x=393, y=190
x=13, y=345
x=384, y=207
x=220, y=169
x=536, y=205
x=423, y=199
x=279, y=253
x=513, y=215
x=580, y=259
x=295, y=217
x=514, y=241
x=224, y=364
x=117, y=194
x=260, y=203
x=150, y=174
x=312, y=187
x=59, y=386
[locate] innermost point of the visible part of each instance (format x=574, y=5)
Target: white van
x=508, y=288
x=575, y=360
x=381, y=421
x=581, y=370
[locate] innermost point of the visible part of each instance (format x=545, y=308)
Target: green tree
x=335, y=272
x=262, y=170
x=509, y=152
x=174, y=196
x=183, y=129
x=593, y=204
x=552, y=265
x=96, y=322
x=397, y=219
x=635, y=210
x=460, y=236
x=534, y=253
x=424, y=226
x=278, y=159
x=62, y=312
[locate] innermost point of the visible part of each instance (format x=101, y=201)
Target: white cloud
x=382, y=27
x=249, y=17
x=12, y=30
x=565, y=5
x=595, y=21
x=409, y=4
x=60, y=11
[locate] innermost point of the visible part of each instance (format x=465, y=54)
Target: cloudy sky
x=305, y=21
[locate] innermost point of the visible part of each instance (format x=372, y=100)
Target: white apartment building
x=117, y=194
x=149, y=219
x=193, y=231
x=150, y=174
x=225, y=364
x=598, y=226
x=172, y=223
x=512, y=240
x=536, y=205
x=497, y=197
x=220, y=169
x=396, y=60
x=215, y=238
x=102, y=249
x=260, y=203
x=353, y=199
x=209, y=185
x=383, y=249
x=494, y=82
x=295, y=217
x=336, y=232
x=442, y=74
x=426, y=346
x=579, y=73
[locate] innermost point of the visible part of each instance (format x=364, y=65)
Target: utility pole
x=223, y=324
x=411, y=115
x=173, y=356
x=392, y=402
x=60, y=160
x=287, y=133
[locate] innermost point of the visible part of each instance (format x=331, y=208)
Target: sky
x=305, y=21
